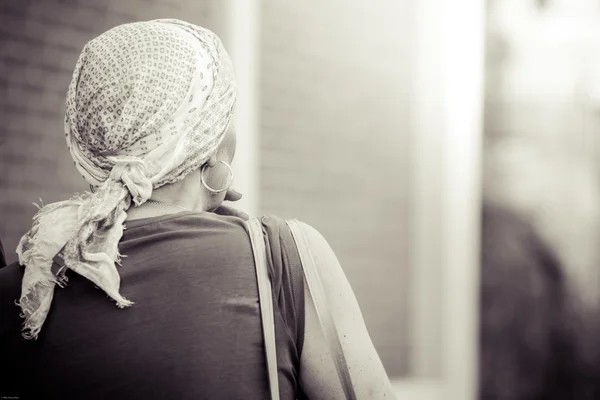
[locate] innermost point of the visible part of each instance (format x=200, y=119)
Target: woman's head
x=150, y=104
x=153, y=99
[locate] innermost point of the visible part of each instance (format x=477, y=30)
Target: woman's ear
x=212, y=161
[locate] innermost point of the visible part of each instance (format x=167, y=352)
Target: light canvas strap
x=265, y=299
x=317, y=292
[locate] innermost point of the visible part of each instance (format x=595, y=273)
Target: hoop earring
x=229, y=181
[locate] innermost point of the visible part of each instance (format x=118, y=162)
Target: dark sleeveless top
x=194, y=331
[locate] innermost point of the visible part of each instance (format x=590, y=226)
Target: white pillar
x=448, y=104
x=237, y=24
x=464, y=57
x=426, y=189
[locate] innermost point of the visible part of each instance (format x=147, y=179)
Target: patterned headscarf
x=149, y=102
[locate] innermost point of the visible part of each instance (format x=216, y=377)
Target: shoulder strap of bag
x=317, y=292
x=265, y=298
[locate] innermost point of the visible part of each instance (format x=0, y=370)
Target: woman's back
x=194, y=332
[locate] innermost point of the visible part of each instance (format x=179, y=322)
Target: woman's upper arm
x=318, y=375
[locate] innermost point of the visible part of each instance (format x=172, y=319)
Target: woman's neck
x=185, y=195
x=151, y=209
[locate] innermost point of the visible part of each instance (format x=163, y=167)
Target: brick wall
x=334, y=128
x=40, y=42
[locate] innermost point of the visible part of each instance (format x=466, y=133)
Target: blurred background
x=375, y=122
x=542, y=123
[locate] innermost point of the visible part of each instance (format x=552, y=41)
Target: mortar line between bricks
x=27, y=111
x=4, y=9
x=38, y=42
x=44, y=67
x=28, y=87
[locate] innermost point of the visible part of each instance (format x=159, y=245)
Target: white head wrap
x=149, y=102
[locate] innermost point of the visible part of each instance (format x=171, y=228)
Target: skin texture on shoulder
x=318, y=375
